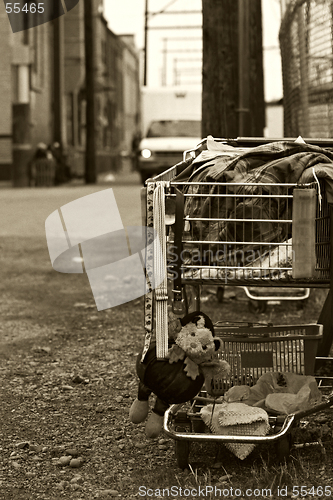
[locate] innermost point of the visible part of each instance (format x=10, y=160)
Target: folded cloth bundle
x=236, y=419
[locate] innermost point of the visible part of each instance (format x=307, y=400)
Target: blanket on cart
x=270, y=167
x=236, y=419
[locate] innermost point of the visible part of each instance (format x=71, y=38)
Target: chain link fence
x=306, y=42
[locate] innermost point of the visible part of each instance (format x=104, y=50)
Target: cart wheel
x=198, y=426
x=182, y=451
x=182, y=420
x=220, y=294
x=257, y=306
x=301, y=305
x=283, y=446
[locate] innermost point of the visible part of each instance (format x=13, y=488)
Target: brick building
x=42, y=98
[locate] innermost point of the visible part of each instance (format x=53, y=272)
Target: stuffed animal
x=191, y=361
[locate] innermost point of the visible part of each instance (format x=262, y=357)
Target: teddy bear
x=191, y=361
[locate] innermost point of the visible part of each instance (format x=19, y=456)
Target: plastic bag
x=279, y=392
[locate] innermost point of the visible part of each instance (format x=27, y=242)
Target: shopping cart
x=260, y=297
x=255, y=234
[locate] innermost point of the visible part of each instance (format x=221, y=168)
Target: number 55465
x=32, y=8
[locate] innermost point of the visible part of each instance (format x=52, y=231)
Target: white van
x=171, y=124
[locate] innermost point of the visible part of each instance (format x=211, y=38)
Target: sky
x=169, y=65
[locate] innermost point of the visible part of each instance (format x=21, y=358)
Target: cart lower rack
x=251, y=352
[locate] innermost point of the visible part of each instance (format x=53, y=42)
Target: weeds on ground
x=305, y=475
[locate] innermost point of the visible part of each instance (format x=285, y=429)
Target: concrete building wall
x=5, y=95
x=116, y=82
x=274, y=120
x=131, y=93
x=74, y=49
x=43, y=94
x=41, y=89
x=116, y=91
x=74, y=76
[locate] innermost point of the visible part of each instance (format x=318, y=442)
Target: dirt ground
x=67, y=376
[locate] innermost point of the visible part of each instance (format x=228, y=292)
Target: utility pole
x=219, y=68
x=145, y=45
x=90, y=158
x=243, y=68
x=232, y=79
x=256, y=99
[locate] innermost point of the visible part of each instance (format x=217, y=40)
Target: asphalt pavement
x=23, y=211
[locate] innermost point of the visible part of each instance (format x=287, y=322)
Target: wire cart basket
x=257, y=234
x=259, y=297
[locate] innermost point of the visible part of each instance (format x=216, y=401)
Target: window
x=175, y=128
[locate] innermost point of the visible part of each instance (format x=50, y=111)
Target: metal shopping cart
x=260, y=297
x=244, y=228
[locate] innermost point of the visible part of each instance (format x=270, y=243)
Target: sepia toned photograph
x=166, y=192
